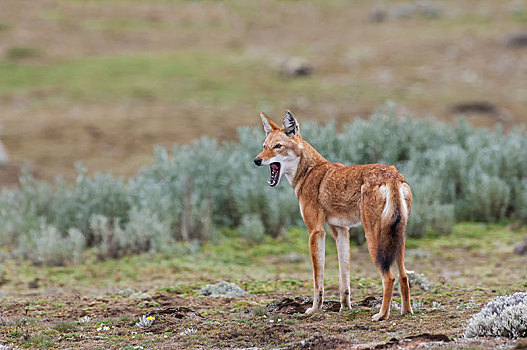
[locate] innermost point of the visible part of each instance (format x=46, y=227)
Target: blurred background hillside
x=102, y=82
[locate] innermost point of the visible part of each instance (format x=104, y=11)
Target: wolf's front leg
x=342, y=238
x=317, y=248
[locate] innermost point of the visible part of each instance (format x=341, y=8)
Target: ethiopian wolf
x=375, y=195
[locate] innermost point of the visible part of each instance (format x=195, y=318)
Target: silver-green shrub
x=144, y=232
x=72, y=205
x=252, y=229
x=456, y=173
x=48, y=246
x=23, y=209
x=504, y=316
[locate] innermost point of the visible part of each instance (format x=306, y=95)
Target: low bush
x=456, y=173
x=504, y=316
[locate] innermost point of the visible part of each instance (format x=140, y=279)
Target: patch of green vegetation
x=475, y=236
x=473, y=19
x=235, y=251
x=26, y=322
x=520, y=16
x=148, y=304
x=72, y=335
x=266, y=286
x=259, y=311
x=106, y=322
x=64, y=327
x=178, y=289
x=55, y=14
x=16, y=333
x=230, y=260
x=4, y=26
x=17, y=53
x=123, y=24
x=39, y=341
x=132, y=1
x=139, y=25
x=182, y=76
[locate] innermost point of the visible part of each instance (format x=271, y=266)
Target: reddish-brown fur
x=375, y=195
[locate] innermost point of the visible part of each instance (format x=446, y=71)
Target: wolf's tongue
x=275, y=174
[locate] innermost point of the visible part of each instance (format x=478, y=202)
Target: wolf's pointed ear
x=268, y=124
x=291, y=126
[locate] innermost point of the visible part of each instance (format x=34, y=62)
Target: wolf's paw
x=379, y=317
x=407, y=311
x=312, y=310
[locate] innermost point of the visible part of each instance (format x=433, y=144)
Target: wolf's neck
x=308, y=160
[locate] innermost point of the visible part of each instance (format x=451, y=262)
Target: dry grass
x=426, y=65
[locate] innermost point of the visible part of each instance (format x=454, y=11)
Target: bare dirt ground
x=57, y=106
x=97, y=304
x=184, y=322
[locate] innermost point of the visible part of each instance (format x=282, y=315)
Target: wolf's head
x=282, y=148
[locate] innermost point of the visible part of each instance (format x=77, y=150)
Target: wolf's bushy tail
x=393, y=223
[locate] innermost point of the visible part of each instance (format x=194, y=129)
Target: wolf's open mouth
x=275, y=174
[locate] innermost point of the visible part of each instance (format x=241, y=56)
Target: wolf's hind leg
x=406, y=307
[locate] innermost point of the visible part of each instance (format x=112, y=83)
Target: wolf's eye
x=278, y=145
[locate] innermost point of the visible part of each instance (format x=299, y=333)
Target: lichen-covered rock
x=502, y=317
x=223, y=289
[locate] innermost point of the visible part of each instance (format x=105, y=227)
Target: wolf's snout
x=258, y=161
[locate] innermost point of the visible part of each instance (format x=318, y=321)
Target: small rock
x=4, y=158
x=372, y=302
x=291, y=305
x=378, y=15
x=521, y=249
x=480, y=107
x=296, y=67
x=223, y=289
x=516, y=40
